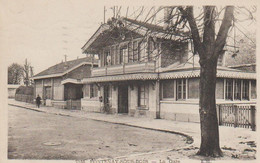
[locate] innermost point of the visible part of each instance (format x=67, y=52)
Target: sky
x=43, y=31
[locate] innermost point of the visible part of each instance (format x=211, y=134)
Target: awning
x=167, y=75
x=196, y=73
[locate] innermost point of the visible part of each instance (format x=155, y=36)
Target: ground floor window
x=229, y=89
x=237, y=89
x=181, y=89
x=143, y=95
x=93, y=91
x=253, y=89
x=245, y=90
x=47, y=92
x=168, y=89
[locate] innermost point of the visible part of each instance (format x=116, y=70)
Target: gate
x=237, y=115
x=73, y=104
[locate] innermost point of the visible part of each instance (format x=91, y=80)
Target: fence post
x=253, y=124
x=236, y=115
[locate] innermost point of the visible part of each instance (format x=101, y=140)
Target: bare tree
x=208, y=32
x=15, y=73
x=209, y=48
x=28, y=73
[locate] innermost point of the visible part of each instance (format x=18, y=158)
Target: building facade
x=147, y=71
x=63, y=82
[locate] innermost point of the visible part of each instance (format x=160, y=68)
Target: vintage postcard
x=133, y=82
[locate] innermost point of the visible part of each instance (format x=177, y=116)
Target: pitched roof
x=139, y=27
x=155, y=28
x=63, y=67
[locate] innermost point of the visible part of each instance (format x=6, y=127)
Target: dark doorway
x=106, y=98
x=122, y=99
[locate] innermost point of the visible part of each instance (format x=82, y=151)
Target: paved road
x=37, y=135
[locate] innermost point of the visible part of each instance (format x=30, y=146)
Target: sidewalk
x=232, y=139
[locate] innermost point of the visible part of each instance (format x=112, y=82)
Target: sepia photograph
x=103, y=82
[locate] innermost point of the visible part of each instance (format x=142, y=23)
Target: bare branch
x=223, y=31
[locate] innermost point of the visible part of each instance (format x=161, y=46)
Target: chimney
x=65, y=62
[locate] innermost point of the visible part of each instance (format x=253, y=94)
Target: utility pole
x=104, y=14
x=127, y=11
x=65, y=56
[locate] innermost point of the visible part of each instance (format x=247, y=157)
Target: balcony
x=124, y=69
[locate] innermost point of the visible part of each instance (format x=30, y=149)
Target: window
x=143, y=91
x=48, y=92
x=229, y=89
x=130, y=51
x=237, y=89
x=168, y=89
x=151, y=49
x=241, y=89
x=123, y=55
x=142, y=51
x=93, y=91
x=253, y=89
x=107, y=58
x=181, y=89
x=135, y=51
x=245, y=90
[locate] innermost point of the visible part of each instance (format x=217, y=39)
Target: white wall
x=92, y=105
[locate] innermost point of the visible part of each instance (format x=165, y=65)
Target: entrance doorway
x=107, y=98
x=122, y=99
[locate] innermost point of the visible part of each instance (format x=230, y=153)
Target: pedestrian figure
x=38, y=101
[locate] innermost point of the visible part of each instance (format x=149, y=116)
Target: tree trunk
x=208, y=114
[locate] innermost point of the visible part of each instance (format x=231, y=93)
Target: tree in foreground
x=209, y=46
x=209, y=28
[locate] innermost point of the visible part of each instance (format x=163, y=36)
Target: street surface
x=37, y=135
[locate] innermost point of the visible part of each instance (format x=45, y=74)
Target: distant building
x=11, y=90
x=145, y=70
x=62, y=83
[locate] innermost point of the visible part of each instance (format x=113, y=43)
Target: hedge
x=25, y=94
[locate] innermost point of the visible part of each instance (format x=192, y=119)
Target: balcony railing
x=124, y=69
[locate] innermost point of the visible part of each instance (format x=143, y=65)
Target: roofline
x=61, y=74
x=142, y=30
x=243, y=65
x=167, y=75
x=96, y=33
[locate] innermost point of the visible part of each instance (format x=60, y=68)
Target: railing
x=124, y=69
x=243, y=116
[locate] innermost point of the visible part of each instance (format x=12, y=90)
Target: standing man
x=38, y=101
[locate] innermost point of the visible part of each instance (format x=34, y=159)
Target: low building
x=145, y=70
x=11, y=90
x=61, y=85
